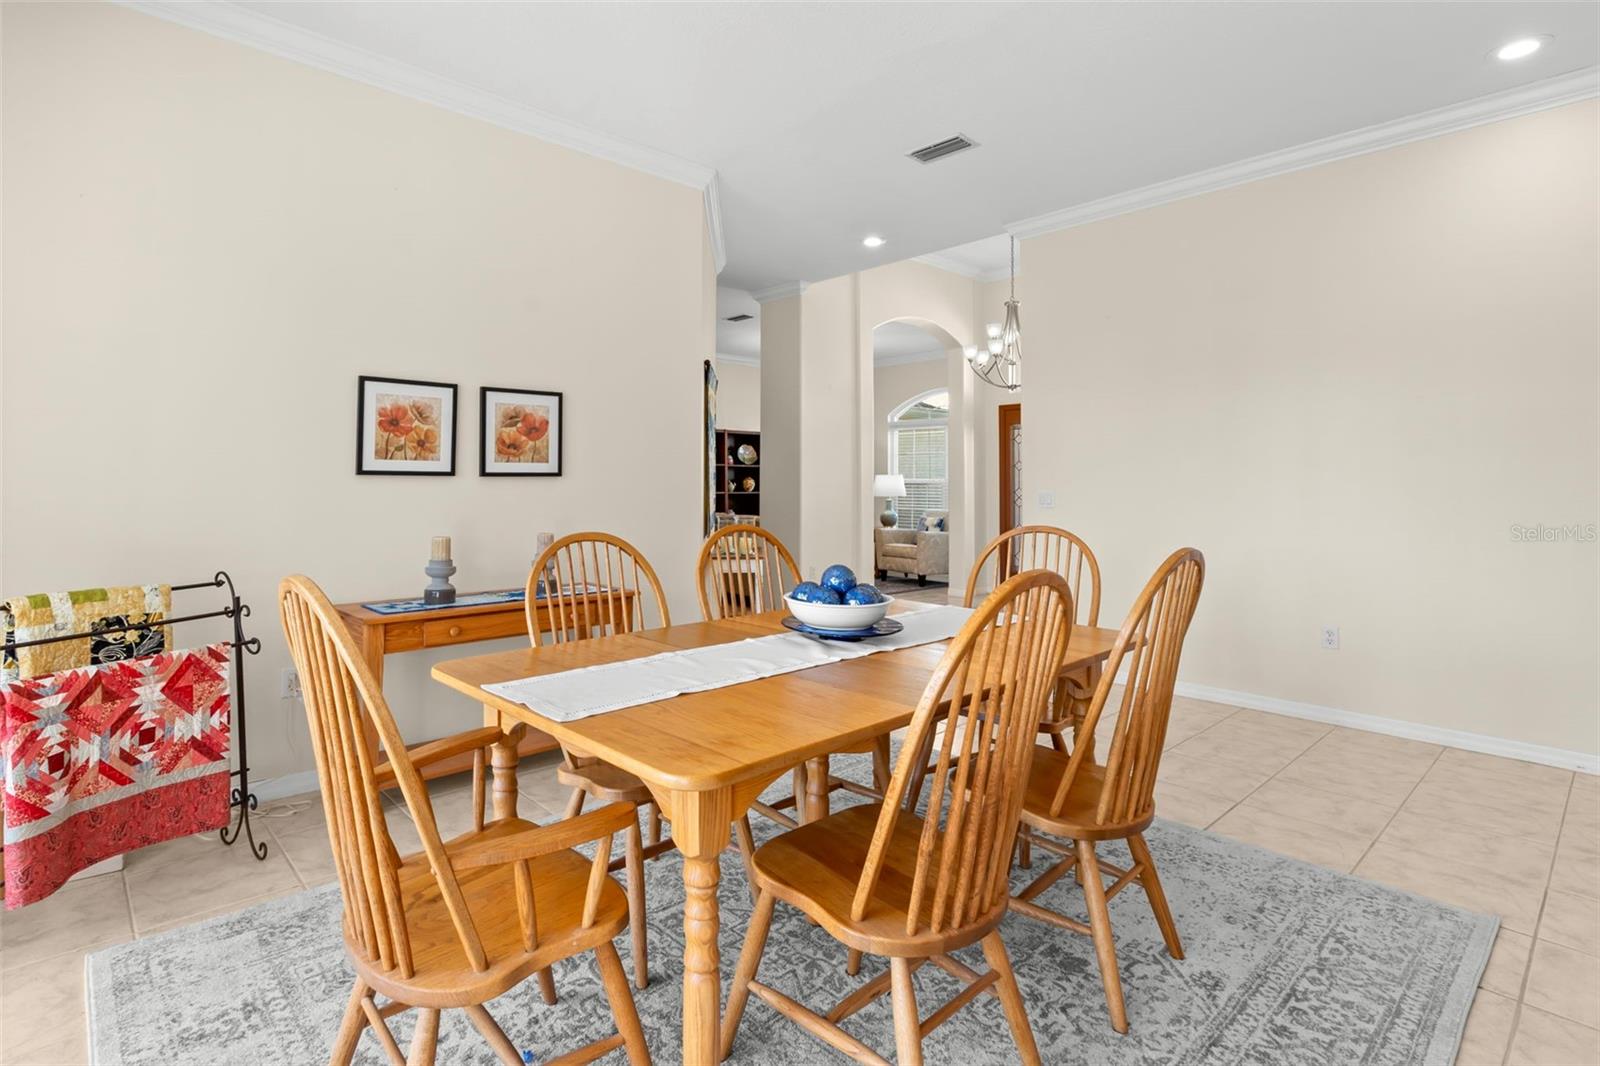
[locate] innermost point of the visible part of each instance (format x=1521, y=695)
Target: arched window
x=919, y=449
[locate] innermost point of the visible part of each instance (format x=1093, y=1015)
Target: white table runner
x=590, y=690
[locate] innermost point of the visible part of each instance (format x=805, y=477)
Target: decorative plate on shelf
x=747, y=454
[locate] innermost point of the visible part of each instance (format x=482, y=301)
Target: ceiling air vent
x=738, y=318
x=948, y=146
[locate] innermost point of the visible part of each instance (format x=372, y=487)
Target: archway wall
x=942, y=303
x=818, y=424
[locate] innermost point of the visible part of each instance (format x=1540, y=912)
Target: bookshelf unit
x=738, y=499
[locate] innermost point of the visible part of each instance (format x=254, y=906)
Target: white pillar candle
x=441, y=548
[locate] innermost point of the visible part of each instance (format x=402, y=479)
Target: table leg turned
x=700, y=824
x=817, y=789
x=504, y=759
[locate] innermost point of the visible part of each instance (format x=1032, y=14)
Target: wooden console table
x=388, y=634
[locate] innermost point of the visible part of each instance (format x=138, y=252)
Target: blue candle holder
x=439, y=589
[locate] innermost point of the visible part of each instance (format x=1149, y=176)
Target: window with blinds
x=919, y=452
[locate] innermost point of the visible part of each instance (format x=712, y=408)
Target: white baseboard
x=1395, y=727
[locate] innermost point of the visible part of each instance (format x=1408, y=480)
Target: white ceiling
x=806, y=111
x=892, y=342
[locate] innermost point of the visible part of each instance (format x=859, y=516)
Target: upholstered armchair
x=920, y=552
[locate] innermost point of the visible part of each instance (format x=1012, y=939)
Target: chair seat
x=1077, y=819
x=610, y=784
x=443, y=975
x=817, y=867
x=898, y=551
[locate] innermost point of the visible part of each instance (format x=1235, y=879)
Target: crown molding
x=1552, y=92
x=742, y=360
x=268, y=34
x=940, y=261
x=781, y=291
x=713, y=202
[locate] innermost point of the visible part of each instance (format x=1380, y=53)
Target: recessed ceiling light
x=874, y=241
x=1521, y=48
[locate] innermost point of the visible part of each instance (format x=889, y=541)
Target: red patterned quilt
x=105, y=759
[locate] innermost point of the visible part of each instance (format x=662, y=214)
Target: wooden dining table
x=705, y=756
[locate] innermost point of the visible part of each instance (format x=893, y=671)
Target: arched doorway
x=916, y=435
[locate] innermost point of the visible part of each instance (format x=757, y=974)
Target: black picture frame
x=444, y=466
x=488, y=465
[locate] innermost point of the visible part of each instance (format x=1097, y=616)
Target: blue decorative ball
x=809, y=592
x=839, y=578
x=830, y=596
x=863, y=594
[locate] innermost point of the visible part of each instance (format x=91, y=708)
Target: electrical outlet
x=289, y=684
x=1330, y=638
x=1047, y=500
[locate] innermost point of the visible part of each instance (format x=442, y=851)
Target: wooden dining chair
x=1065, y=553
x=745, y=570
x=882, y=880
x=1073, y=798
x=1050, y=548
x=465, y=920
x=598, y=585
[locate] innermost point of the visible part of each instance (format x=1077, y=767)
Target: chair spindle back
x=1044, y=548
x=989, y=692
x=342, y=699
x=743, y=569
x=1150, y=643
x=595, y=585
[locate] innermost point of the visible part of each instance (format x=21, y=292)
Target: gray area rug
x=1287, y=963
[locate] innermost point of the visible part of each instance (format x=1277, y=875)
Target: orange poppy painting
x=406, y=427
x=521, y=432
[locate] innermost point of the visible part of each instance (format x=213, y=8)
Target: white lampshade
x=892, y=486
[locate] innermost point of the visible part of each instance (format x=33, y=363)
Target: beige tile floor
x=1511, y=838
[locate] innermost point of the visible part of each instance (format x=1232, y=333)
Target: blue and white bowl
x=842, y=617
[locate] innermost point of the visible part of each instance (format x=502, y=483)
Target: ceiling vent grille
x=738, y=318
x=949, y=146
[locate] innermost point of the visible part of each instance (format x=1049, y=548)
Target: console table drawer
x=462, y=630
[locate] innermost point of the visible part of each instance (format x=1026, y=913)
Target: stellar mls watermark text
x=1539, y=533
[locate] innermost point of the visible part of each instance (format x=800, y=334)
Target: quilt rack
x=236, y=611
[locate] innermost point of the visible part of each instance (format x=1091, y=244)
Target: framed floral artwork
x=405, y=427
x=521, y=433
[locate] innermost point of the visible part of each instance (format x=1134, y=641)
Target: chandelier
x=1000, y=362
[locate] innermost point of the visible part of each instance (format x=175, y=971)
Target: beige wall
x=781, y=444
x=738, y=395
x=833, y=506
x=206, y=244
x=1346, y=385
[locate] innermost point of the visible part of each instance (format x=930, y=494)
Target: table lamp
x=890, y=487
